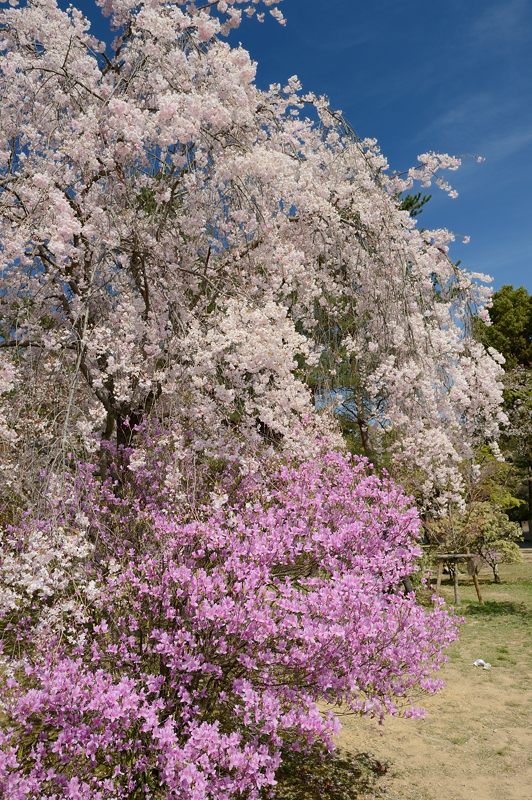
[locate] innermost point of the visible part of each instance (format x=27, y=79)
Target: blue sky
x=452, y=76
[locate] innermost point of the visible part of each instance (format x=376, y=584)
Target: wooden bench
x=456, y=558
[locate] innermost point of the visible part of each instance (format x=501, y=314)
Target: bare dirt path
x=476, y=741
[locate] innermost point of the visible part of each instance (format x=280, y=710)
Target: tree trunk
x=125, y=427
x=364, y=437
x=529, y=503
x=128, y=420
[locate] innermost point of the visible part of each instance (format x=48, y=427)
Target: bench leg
x=477, y=587
x=439, y=577
x=455, y=586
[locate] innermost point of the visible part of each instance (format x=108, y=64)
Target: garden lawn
x=476, y=741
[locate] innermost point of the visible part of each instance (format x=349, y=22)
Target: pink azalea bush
x=213, y=634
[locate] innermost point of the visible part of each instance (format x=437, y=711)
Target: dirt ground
x=476, y=741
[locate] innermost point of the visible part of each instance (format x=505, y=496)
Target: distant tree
x=510, y=332
x=482, y=525
x=517, y=442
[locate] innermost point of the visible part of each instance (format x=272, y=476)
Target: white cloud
x=503, y=23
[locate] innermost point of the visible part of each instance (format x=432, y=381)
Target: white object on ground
x=481, y=663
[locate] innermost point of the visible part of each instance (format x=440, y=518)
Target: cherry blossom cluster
x=178, y=243
x=214, y=633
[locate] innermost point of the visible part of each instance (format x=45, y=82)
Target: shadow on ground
x=329, y=776
x=493, y=608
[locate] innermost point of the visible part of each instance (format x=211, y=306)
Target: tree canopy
x=178, y=242
x=510, y=331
